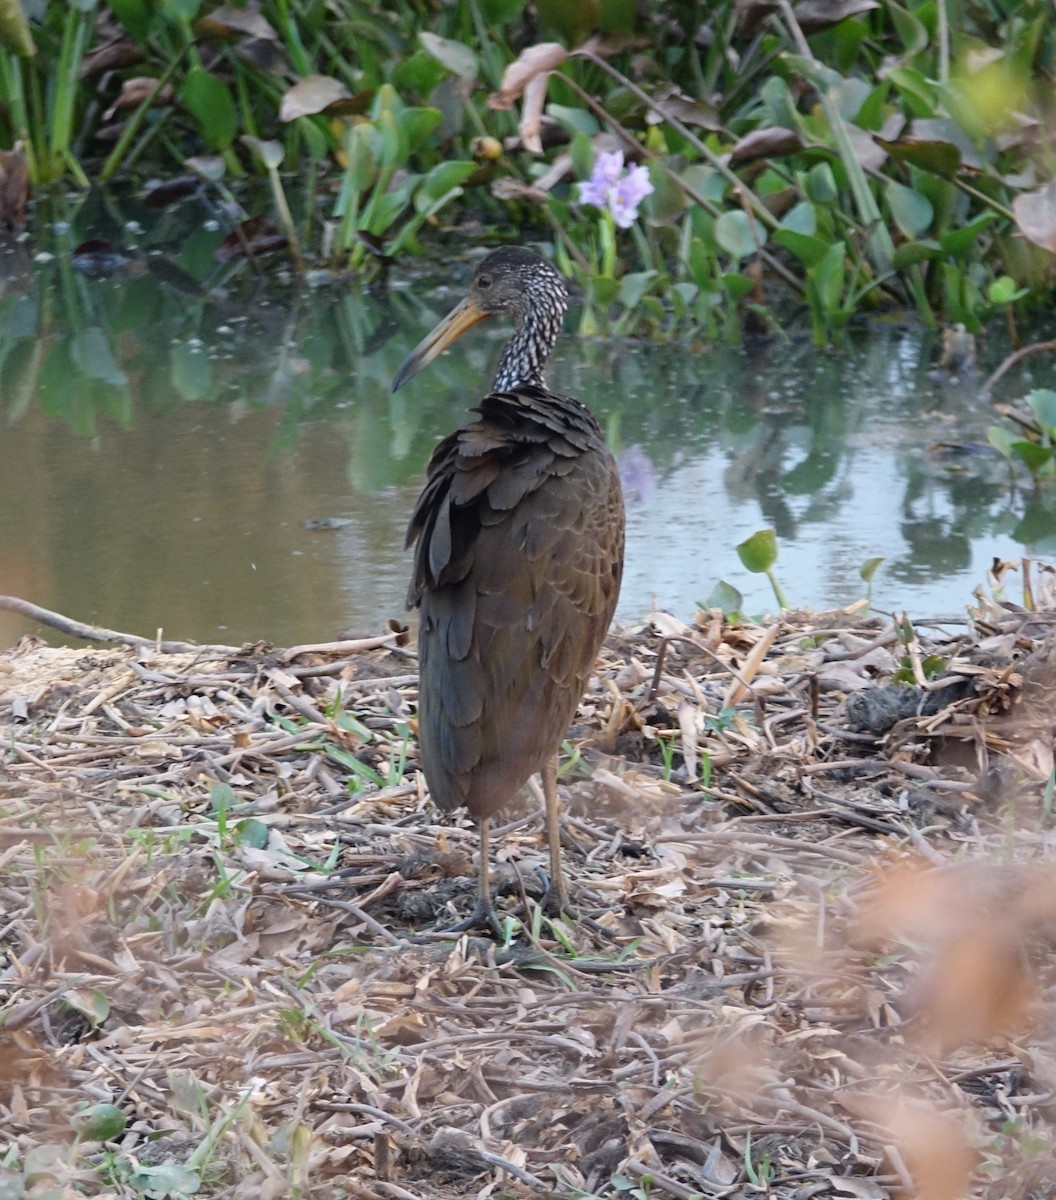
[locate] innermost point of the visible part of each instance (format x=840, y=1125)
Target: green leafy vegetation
x=758, y=554
x=850, y=157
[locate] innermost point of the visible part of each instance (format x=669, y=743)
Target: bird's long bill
x=451, y=328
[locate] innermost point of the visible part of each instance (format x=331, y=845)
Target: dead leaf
x=1036, y=216
x=14, y=187
x=532, y=113
x=816, y=15
x=111, y=56
x=539, y=59
x=134, y=91
x=228, y=22
x=774, y=142
x=313, y=94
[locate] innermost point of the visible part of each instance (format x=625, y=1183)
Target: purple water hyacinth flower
x=608, y=187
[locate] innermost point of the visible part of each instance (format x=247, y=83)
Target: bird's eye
x=484, y=282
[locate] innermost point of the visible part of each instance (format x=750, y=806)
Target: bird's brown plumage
x=518, y=537
x=517, y=569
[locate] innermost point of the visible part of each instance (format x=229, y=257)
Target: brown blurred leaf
x=941, y=158
x=228, y=22
x=935, y=1147
x=978, y=988
x=313, y=94
x=134, y=91
x=532, y=113
x=815, y=15
x=171, y=191
x=14, y=187
x=261, y=53
x=114, y=54
x=672, y=103
x=1036, y=216
x=537, y=60
x=507, y=188
x=255, y=236
x=766, y=143
x=96, y=257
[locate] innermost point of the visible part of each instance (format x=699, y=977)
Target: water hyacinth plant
x=617, y=193
x=614, y=190
x=841, y=157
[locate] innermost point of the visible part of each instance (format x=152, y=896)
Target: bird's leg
x=556, y=900
x=483, y=915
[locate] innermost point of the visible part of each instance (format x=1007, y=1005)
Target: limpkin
x=518, y=537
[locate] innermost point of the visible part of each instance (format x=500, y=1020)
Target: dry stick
x=96, y=633
x=661, y=654
x=347, y=906
x=366, y=1110
x=354, y=646
x=671, y=1186
x=750, y=667
x=1012, y=359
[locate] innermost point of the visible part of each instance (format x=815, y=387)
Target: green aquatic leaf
x=1002, y=440
x=99, y=1123
x=251, y=832
x=827, y=277
x=209, y=102
x=445, y=176
x=914, y=252
x=1042, y=403
x=1004, y=290
x=419, y=72
x=89, y=1002
x=738, y=234
x=821, y=184
x=759, y=552
x=668, y=200
x=498, y=12
x=802, y=218
x=633, y=287
x=809, y=250
x=912, y=212
x=736, y=286
x=869, y=568
x=912, y=31
x=418, y=125
x=916, y=90
x=166, y=1181
x=573, y=19
x=91, y=352
x=181, y=10
x=726, y=597
x=459, y=59
x=604, y=290
x=941, y=158
x=957, y=241
x=190, y=370
x=581, y=152
x=1033, y=456
x=574, y=121
x=14, y=29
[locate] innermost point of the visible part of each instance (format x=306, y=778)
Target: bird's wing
x=518, y=560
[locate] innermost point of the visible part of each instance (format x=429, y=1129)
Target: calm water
x=168, y=438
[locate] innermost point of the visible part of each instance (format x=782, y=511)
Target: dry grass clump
x=816, y=957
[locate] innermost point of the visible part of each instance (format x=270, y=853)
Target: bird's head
x=511, y=280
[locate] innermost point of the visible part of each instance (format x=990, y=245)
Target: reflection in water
x=173, y=441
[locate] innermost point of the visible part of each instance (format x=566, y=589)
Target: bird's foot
x=484, y=918
x=555, y=903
